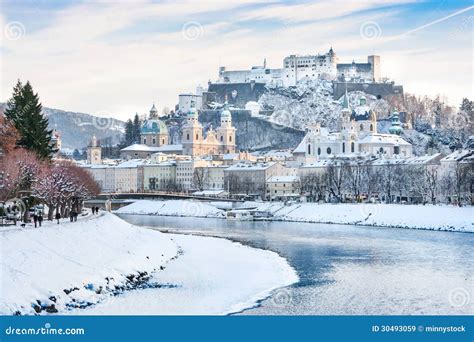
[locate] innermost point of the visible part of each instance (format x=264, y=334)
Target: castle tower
x=192, y=133
x=375, y=66
x=365, y=119
x=154, y=131
x=226, y=132
x=94, y=152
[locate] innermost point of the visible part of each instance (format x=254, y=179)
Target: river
x=347, y=270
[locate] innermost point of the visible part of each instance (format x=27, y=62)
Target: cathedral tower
x=226, y=132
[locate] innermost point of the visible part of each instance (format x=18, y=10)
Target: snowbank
x=171, y=208
x=57, y=267
x=213, y=276
x=89, y=267
x=431, y=217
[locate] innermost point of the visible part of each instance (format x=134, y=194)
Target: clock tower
x=94, y=152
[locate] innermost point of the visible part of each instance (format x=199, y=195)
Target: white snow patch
x=37, y=264
x=213, y=276
x=172, y=208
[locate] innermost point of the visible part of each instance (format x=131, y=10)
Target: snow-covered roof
x=283, y=179
x=421, y=160
x=170, y=148
x=131, y=163
x=457, y=155
x=250, y=167
x=301, y=148
x=140, y=148
x=384, y=139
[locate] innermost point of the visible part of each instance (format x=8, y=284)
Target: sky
x=115, y=58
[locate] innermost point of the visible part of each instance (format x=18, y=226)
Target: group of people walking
x=38, y=218
x=95, y=210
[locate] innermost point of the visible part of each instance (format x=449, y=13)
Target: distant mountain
x=76, y=129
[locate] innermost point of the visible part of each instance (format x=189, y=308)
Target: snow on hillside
x=312, y=101
x=172, y=208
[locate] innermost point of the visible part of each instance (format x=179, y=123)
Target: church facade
x=218, y=141
x=358, y=135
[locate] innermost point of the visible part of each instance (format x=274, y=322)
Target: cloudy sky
x=114, y=58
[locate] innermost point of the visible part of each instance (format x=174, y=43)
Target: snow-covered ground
x=433, y=217
x=100, y=262
x=213, y=276
x=172, y=208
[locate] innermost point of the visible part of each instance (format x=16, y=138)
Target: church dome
x=363, y=112
x=396, y=127
x=225, y=114
x=153, y=126
x=192, y=113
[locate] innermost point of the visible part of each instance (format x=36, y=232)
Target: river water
x=346, y=270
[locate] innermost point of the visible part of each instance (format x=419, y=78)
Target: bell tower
x=226, y=132
x=94, y=152
x=192, y=133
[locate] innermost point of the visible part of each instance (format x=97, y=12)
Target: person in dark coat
x=58, y=216
x=74, y=215
x=40, y=218
x=97, y=210
x=35, y=219
x=71, y=216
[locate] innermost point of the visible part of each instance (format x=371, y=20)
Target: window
x=381, y=150
x=371, y=127
x=361, y=128
x=154, y=141
x=144, y=141
x=396, y=149
x=197, y=136
x=352, y=147
x=319, y=151
x=163, y=141
x=328, y=150
x=309, y=149
x=222, y=138
x=187, y=136
x=230, y=138
x=343, y=147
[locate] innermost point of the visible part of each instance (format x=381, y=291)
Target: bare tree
x=336, y=173
x=200, y=178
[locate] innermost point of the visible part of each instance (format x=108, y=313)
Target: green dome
x=153, y=126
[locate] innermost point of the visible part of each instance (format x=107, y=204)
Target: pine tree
x=24, y=110
x=129, y=133
x=136, y=128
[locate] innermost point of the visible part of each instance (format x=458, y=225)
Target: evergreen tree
x=24, y=110
x=136, y=128
x=129, y=133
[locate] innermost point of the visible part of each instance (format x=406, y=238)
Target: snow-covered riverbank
x=432, y=217
x=99, y=260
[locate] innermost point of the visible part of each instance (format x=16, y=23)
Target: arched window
x=328, y=150
x=343, y=147
x=162, y=141
x=154, y=141
x=230, y=138
x=309, y=149
x=319, y=151
x=352, y=147
x=187, y=136
x=381, y=150
x=197, y=136
x=371, y=127
x=361, y=127
x=396, y=149
x=144, y=141
x=222, y=138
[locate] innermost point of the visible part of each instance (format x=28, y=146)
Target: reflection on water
x=352, y=270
